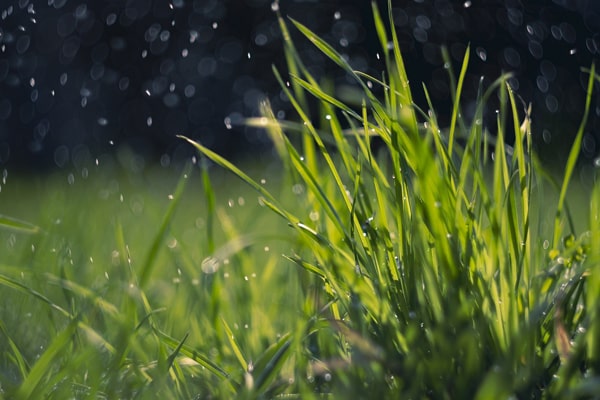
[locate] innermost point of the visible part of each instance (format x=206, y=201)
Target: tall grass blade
x=572, y=159
x=46, y=367
x=150, y=259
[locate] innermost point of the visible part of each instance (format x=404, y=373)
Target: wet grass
x=427, y=270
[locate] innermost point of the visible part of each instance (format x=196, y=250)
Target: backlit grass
x=446, y=265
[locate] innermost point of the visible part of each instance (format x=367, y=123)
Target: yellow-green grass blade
x=150, y=259
x=17, y=225
x=572, y=159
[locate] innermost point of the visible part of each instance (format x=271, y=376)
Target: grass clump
x=428, y=269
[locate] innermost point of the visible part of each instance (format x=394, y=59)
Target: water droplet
x=467, y=4
x=547, y=136
x=337, y=15
x=210, y=265
x=481, y=53
x=102, y=121
x=551, y=103
x=227, y=121
x=215, y=25
x=111, y=19
x=275, y=5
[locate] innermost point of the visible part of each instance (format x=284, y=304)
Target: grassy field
x=427, y=270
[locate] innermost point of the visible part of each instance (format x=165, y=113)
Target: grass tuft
x=444, y=265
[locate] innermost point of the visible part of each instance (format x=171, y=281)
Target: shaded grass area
x=447, y=265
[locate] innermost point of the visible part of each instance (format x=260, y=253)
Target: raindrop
x=542, y=84
x=337, y=15
x=227, y=121
x=102, y=121
x=210, y=265
x=215, y=25
x=23, y=44
x=165, y=35
x=189, y=91
x=467, y=4
x=551, y=103
x=184, y=53
x=423, y=22
x=597, y=162
x=261, y=39
x=567, y=32
x=63, y=79
x=111, y=19
x=275, y=6
x=123, y=83
x=149, y=121
x=481, y=53
x=512, y=57
x=546, y=136
x=536, y=49
x=81, y=11
x=71, y=178
x=572, y=51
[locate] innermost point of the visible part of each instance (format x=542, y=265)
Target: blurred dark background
x=80, y=79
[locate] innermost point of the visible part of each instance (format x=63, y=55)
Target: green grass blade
x=572, y=159
x=32, y=386
x=150, y=259
x=234, y=346
x=21, y=362
x=17, y=225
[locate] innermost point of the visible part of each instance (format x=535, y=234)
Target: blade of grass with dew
x=235, y=347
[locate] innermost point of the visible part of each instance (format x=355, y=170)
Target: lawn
x=445, y=265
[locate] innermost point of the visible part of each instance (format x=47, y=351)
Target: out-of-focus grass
x=75, y=315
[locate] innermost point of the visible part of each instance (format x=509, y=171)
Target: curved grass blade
x=573, y=156
x=32, y=385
